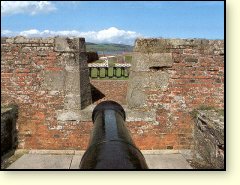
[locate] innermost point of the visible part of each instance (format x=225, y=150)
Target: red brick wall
x=196, y=78
x=23, y=64
x=115, y=90
x=191, y=85
x=148, y=136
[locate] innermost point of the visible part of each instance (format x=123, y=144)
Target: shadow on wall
x=96, y=94
x=9, y=139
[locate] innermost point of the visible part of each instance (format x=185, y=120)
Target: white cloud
x=29, y=7
x=110, y=35
x=6, y=32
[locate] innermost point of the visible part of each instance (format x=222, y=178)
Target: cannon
x=111, y=146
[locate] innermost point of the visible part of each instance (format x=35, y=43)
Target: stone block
x=159, y=80
x=146, y=61
x=65, y=44
x=136, y=99
x=151, y=80
x=167, y=161
x=38, y=161
x=86, y=113
x=135, y=115
x=53, y=80
x=35, y=40
x=68, y=115
x=68, y=60
x=72, y=84
x=140, y=62
x=139, y=80
x=47, y=40
x=76, y=161
x=20, y=40
x=72, y=101
x=160, y=60
x=151, y=45
x=61, y=44
x=10, y=40
x=177, y=42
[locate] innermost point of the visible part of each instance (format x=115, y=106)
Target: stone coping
x=81, y=152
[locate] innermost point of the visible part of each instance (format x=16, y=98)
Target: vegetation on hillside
x=108, y=47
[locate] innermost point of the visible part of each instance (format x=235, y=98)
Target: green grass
x=108, y=47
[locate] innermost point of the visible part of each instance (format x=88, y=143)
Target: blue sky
x=118, y=22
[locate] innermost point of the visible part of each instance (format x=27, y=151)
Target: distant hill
x=108, y=47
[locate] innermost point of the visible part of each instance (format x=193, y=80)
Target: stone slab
x=166, y=161
x=134, y=115
x=155, y=160
x=53, y=80
x=76, y=161
x=146, y=61
x=38, y=161
x=68, y=115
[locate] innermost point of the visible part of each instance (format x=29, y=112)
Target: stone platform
x=71, y=160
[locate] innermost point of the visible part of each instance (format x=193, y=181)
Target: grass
x=108, y=47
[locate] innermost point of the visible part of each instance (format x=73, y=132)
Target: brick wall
x=48, y=80
x=171, y=77
x=115, y=90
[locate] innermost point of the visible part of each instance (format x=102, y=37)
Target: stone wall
x=8, y=129
x=48, y=79
x=209, y=138
x=169, y=78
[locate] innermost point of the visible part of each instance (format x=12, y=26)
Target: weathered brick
x=194, y=76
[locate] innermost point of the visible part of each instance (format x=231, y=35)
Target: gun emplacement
x=111, y=146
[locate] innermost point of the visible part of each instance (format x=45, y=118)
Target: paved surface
x=72, y=161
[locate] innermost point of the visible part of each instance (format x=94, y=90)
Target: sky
x=113, y=22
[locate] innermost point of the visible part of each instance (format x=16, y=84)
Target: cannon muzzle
x=111, y=146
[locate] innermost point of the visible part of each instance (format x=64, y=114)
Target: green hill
x=108, y=47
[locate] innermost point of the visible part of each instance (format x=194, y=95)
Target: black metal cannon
x=111, y=146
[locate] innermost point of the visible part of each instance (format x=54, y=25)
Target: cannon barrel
x=111, y=146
